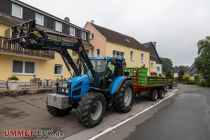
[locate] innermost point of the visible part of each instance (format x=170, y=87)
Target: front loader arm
x=30, y=37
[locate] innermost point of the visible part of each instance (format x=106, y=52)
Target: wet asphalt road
x=186, y=118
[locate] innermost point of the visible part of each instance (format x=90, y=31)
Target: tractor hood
x=80, y=78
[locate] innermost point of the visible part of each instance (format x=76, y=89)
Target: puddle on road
x=11, y=112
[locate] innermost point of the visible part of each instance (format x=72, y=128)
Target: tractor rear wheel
x=161, y=94
x=124, y=98
x=58, y=112
x=154, y=95
x=91, y=109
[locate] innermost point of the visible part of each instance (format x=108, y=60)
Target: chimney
x=92, y=21
x=67, y=19
x=154, y=44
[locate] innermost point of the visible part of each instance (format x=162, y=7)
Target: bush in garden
x=186, y=77
x=204, y=84
x=196, y=78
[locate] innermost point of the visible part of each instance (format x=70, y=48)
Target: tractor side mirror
x=123, y=63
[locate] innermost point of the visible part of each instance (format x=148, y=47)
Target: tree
x=167, y=67
x=181, y=70
x=202, y=62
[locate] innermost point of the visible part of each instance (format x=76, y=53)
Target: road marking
x=125, y=121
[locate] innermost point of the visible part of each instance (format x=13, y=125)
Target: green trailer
x=146, y=85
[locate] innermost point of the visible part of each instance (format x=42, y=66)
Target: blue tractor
x=99, y=84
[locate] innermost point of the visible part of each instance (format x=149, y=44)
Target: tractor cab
x=106, y=70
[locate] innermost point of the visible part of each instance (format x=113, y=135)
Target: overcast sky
x=176, y=25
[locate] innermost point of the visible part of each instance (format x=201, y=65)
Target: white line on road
x=125, y=121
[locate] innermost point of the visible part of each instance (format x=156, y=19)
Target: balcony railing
x=7, y=47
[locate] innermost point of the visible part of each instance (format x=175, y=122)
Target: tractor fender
x=117, y=82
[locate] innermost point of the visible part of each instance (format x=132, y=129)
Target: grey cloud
x=176, y=25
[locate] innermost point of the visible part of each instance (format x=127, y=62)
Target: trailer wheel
x=161, y=94
x=58, y=112
x=123, y=100
x=91, y=109
x=154, y=95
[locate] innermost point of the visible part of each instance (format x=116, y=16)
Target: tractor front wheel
x=91, y=109
x=124, y=98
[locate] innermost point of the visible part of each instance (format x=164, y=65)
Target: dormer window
x=83, y=35
x=17, y=11
x=72, y=31
x=58, y=26
x=39, y=19
x=127, y=40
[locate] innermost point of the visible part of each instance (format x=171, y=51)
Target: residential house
x=155, y=61
x=27, y=64
x=192, y=71
x=107, y=42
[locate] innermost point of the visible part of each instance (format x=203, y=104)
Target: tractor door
x=118, y=67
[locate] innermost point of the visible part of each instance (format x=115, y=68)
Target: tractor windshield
x=99, y=65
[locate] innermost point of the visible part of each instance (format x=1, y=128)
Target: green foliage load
x=140, y=78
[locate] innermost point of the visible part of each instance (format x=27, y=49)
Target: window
x=58, y=69
x=58, y=26
x=97, y=52
x=132, y=55
x=72, y=31
x=158, y=69
x=39, y=19
x=90, y=36
x=17, y=11
x=23, y=67
x=142, y=57
x=152, y=64
x=17, y=66
x=29, y=67
x=83, y=36
x=118, y=54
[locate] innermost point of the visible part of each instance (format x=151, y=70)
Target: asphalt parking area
x=28, y=112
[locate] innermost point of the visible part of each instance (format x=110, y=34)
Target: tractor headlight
x=63, y=87
x=67, y=90
x=62, y=90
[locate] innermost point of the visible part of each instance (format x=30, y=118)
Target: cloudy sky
x=176, y=25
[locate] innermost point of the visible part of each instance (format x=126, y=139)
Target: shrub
x=204, y=84
x=13, y=78
x=190, y=82
x=186, y=77
x=196, y=78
